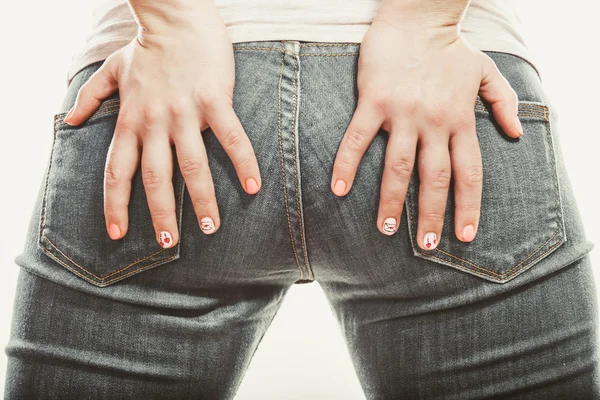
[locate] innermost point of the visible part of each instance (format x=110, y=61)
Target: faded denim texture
x=512, y=315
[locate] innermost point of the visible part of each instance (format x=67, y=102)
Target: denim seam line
x=106, y=108
x=296, y=164
x=280, y=137
x=542, y=112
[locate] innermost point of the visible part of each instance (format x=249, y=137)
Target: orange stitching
x=44, y=201
x=106, y=276
x=282, y=163
x=304, y=252
x=329, y=55
x=339, y=44
x=51, y=255
x=508, y=271
x=257, y=48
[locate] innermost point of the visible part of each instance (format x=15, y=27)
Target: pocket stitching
x=107, y=107
x=179, y=202
x=512, y=271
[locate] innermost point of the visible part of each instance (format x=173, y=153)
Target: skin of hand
x=175, y=79
x=418, y=79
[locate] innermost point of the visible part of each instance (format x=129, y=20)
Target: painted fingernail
x=518, y=126
x=165, y=239
x=339, y=187
x=389, y=226
x=114, y=232
x=69, y=114
x=251, y=185
x=430, y=240
x=207, y=225
x=468, y=233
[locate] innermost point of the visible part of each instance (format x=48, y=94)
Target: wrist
x=156, y=17
x=423, y=15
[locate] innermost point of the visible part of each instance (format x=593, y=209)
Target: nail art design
x=430, y=240
x=165, y=239
x=207, y=225
x=389, y=225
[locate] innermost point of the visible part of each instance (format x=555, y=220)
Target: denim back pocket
x=72, y=224
x=521, y=219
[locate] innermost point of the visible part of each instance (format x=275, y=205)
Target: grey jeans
x=511, y=315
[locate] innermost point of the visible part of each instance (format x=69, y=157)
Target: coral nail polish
x=114, y=232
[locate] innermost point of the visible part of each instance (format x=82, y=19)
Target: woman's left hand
x=420, y=83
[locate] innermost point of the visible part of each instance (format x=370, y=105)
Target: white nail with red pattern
x=430, y=240
x=165, y=239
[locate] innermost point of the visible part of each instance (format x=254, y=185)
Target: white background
x=38, y=40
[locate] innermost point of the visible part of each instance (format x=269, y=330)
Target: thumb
x=99, y=86
x=496, y=90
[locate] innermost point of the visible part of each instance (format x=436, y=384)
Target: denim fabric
x=512, y=315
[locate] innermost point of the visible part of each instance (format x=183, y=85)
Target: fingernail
x=165, y=239
x=339, y=187
x=430, y=240
x=114, y=232
x=518, y=126
x=389, y=226
x=69, y=114
x=207, y=225
x=468, y=233
x=251, y=185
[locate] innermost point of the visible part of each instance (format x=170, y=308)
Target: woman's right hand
x=175, y=79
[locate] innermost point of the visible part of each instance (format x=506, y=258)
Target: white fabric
x=488, y=25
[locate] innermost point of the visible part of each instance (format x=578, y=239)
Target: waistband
x=303, y=48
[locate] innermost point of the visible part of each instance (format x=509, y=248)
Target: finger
x=99, y=86
x=229, y=131
x=467, y=172
x=121, y=165
x=157, y=175
x=399, y=164
x=434, y=174
x=193, y=163
x=363, y=127
x=496, y=90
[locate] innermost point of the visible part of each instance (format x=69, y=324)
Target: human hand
x=174, y=79
x=420, y=85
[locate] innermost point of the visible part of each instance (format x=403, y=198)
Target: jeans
x=511, y=315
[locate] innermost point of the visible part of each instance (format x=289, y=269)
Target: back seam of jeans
x=285, y=196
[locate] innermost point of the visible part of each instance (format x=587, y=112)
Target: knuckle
x=470, y=207
x=402, y=168
x=473, y=176
x=434, y=217
x=206, y=99
x=344, y=166
x=178, y=108
x=356, y=138
x=162, y=213
x=151, y=179
x=232, y=139
x=439, y=178
x=409, y=105
x=464, y=120
x=201, y=203
x=392, y=201
x=151, y=114
x=113, y=177
x=190, y=168
x=436, y=114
